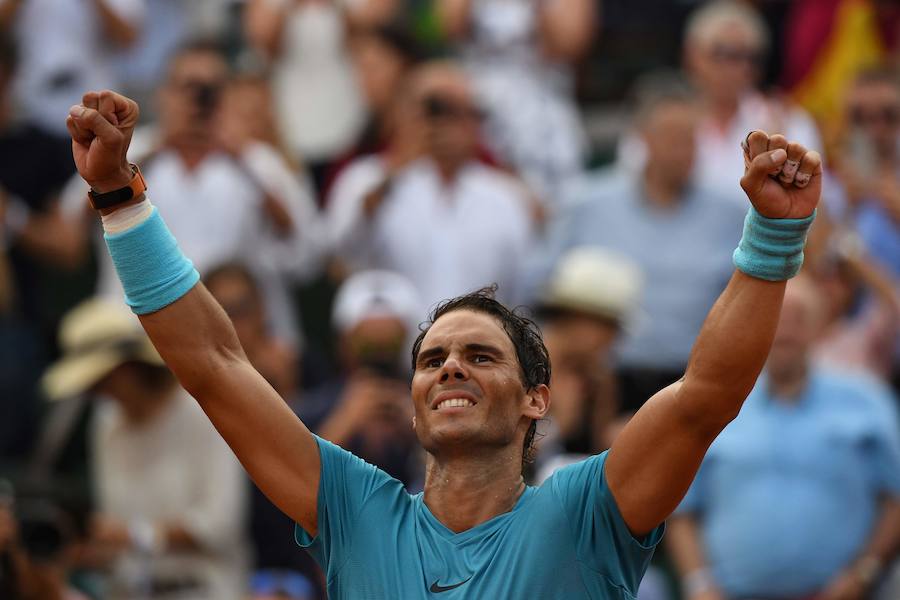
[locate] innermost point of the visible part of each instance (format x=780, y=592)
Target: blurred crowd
x=335, y=168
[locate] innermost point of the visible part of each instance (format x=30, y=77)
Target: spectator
x=520, y=56
x=235, y=289
x=319, y=106
x=427, y=208
x=590, y=298
x=368, y=410
x=67, y=47
x=725, y=44
x=39, y=240
x=227, y=195
x=867, y=196
x=861, y=309
x=170, y=494
x=812, y=465
x=39, y=534
x=382, y=59
x=679, y=234
x=35, y=243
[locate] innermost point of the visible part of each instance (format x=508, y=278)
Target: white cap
x=374, y=294
x=596, y=281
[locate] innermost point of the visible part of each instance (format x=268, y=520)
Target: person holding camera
x=367, y=408
x=427, y=207
x=230, y=195
x=38, y=536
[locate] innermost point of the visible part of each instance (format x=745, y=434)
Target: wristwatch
x=135, y=188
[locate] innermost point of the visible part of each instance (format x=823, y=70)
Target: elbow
x=709, y=407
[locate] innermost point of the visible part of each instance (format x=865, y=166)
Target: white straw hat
x=96, y=337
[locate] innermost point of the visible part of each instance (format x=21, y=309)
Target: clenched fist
x=782, y=179
x=101, y=128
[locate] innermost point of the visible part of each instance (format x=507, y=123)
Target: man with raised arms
x=480, y=384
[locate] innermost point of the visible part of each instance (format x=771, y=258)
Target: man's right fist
x=101, y=128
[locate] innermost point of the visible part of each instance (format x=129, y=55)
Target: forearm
x=684, y=545
x=117, y=28
x=566, y=28
x=263, y=24
x=884, y=541
x=454, y=17
x=730, y=351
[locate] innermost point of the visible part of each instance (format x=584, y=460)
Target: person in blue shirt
x=812, y=466
x=480, y=383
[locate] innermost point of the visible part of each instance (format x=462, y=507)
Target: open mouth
x=454, y=403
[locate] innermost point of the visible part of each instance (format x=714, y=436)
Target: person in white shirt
x=725, y=44
x=319, y=105
x=171, y=499
x=430, y=210
x=520, y=54
x=230, y=197
x=66, y=47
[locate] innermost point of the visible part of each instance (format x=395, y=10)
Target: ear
x=414, y=422
x=537, y=402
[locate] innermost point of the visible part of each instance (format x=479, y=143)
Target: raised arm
x=189, y=329
x=653, y=461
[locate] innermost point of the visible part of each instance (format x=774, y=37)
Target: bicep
x=654, y=460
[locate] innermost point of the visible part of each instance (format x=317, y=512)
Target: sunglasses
x=875, y=115
x=736, y=54
x=437, y=107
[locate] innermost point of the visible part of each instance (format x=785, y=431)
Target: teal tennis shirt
x=563, y=540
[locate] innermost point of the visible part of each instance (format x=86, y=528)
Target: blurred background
x=334, y=168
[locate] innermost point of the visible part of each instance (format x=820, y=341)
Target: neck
x=660, y=191
x=722, y=110
x=192, y=152
x=465, y=491
x=448, y=170
x=788, y=384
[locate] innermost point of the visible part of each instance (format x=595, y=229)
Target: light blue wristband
x=772, y=249
x=151, y=266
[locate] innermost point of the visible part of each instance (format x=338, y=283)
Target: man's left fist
x=101, y=128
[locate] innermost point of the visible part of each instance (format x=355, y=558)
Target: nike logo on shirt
x=437, y=589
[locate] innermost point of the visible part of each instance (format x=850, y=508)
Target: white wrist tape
x=125, y=218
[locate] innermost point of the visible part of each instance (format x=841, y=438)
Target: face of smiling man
x=468, y=389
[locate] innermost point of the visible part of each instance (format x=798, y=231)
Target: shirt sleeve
x=350, y=234
x=345, y=484
x=602, y=538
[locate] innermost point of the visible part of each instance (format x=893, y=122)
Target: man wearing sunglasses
x=427, y=207
x=725, y=46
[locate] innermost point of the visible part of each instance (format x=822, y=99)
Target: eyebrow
x=430, y=353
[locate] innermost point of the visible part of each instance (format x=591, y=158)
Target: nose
x=453, y=369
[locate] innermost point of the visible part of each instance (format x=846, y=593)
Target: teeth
x=455, y=403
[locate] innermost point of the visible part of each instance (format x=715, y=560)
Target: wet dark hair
x=534, y=360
